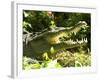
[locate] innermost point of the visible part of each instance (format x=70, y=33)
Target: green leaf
x=53, y=64
x=45, y=56
x=52, y=51
x=78, y=64
x=52, y=25
x=36, y=66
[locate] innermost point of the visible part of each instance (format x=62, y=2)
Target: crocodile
x=34, y=46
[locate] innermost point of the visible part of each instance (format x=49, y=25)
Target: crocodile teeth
x=74, y=43
x=83, y=40
x=79, y=42
x=86, y=40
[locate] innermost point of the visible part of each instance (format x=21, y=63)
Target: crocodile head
x=54, y=36
x=42, y=42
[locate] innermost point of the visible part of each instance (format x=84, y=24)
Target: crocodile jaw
x=69, y=44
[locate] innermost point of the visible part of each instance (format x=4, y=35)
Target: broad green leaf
x=52, y=50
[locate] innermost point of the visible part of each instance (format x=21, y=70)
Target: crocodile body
x=43, y=42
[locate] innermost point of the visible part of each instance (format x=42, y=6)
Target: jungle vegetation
x=37, y=22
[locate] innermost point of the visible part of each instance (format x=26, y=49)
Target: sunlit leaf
x=45, y=56
x=52, y=50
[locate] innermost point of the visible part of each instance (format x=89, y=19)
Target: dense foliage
x=40, y=21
